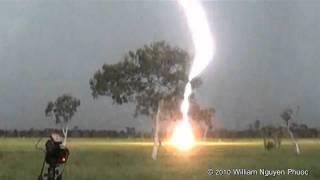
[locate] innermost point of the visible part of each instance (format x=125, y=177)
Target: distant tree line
x=75, y=132
x=300, y=130
x=254, y=131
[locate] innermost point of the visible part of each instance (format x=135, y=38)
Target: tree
x=257, y=125
x=203, y=116
x=287, y=115
x=62, y=110
x=146, y=77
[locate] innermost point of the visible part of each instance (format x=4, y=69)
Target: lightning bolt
x=203, y=42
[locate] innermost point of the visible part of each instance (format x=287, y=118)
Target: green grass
x=95, y=159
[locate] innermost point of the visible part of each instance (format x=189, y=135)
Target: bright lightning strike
x=183, y=137
x=201, y=36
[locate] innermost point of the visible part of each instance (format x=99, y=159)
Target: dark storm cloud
x=267, y=57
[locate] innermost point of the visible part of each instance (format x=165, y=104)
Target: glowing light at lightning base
x=183, y=137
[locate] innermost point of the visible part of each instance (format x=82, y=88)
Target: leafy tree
x=155, y=72
x=202, y=115
x=147, y=77
x=62, y=110
x=144, y=77
x=288, y=115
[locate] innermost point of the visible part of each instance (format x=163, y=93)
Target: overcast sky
x=267, y=57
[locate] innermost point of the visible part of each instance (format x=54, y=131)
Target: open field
x=95, y=159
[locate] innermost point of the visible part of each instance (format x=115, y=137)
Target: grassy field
x=95, y=159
